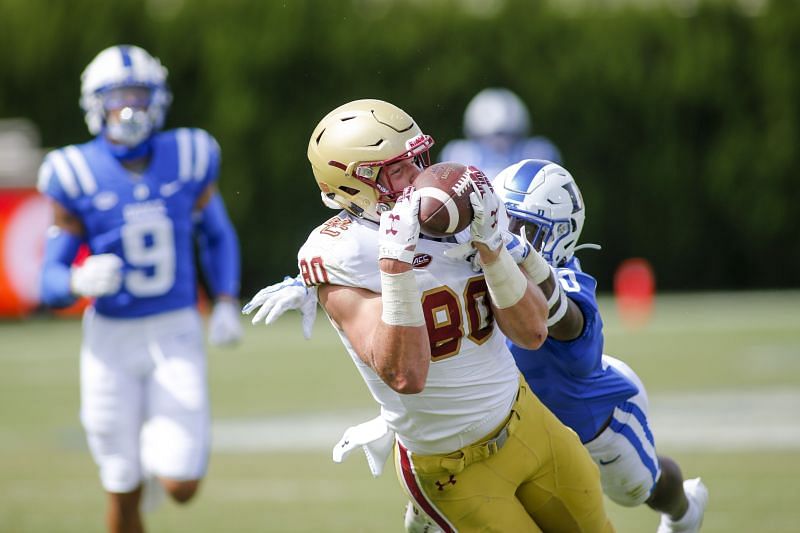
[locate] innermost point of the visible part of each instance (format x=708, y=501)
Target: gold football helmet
x=351, y=145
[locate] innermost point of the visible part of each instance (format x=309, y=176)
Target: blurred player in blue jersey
x=140, y=198
x=598, y=396
x=497, y=129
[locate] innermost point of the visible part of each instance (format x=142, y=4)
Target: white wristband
x=507, y=284
x=402, y=305
x=556, y=294
x=558, y=297
x=537, y=268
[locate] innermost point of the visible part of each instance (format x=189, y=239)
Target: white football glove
x=399, y=230
x=374, y=437
x=99, y=275
x=278, y=298
x=517, y=246
x=485, y=227
x=224, y=327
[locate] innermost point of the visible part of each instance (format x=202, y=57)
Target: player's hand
x=517, y=245
x=399, y=229
x=99, y=275
x=278, y=298
x=485, y=227
x=224, y=327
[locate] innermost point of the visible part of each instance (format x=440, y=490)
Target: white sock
x=690, y=516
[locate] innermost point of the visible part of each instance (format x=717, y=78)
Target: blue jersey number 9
x=150, y=247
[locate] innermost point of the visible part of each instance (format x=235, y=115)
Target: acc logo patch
x=421, y=261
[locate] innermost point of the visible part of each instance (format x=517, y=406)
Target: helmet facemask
x=369, y=172
x=134, y=121
x=544, y=234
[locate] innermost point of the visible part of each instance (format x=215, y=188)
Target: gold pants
x=530, y=474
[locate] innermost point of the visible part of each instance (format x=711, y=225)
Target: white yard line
x=717, y=421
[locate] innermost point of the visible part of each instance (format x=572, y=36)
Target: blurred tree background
x=679, y=119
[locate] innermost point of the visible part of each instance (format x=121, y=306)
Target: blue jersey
x=568, y=376
x=147, y=219
x=491, y=161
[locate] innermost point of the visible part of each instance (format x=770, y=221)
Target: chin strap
x=588, y=246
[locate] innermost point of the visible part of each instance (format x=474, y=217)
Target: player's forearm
x=401, y=356
x=400, y=348
x=524, y=323
x=60, y=250
x=219, y=250
x=519, y=305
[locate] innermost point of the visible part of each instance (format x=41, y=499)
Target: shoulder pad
x=198, y=154
x=341, y=251
x=66, y=173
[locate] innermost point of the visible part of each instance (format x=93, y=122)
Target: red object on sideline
x=24, y=216
x=634, y=291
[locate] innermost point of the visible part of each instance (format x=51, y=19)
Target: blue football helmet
x=543, y=197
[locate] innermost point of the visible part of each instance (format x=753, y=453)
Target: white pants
x=625, y=451
x=144, y=398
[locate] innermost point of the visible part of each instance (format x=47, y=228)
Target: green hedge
x=681, y=129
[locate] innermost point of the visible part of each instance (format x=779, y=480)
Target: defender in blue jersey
x=497, y=133
x=141, y=199
x=598, y=396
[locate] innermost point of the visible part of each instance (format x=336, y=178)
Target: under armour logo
x=493, y=214
x=345, y=443
x=393, y=218
x=451, y=481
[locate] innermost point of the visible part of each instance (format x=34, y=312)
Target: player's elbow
x=532, y=339
x=405, y=381
x=408, y=386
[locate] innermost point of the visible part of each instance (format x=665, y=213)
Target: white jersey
x=472, y=381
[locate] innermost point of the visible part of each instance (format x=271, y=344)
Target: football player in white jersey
x=596, y=395
x=474, y=448
x=497, y=133
x=138, y=197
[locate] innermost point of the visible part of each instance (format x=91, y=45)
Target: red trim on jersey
x=416, y=491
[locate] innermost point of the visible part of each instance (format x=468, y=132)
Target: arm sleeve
x=60, y=249
x=219, y=249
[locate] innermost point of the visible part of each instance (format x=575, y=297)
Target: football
x=444, y=206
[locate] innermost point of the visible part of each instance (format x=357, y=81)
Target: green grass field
x=704, y=348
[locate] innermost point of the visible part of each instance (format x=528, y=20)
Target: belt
x=455, y=462
x=494, y=444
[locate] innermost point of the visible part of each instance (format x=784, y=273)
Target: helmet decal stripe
x=124, y=51
x=523, y=177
